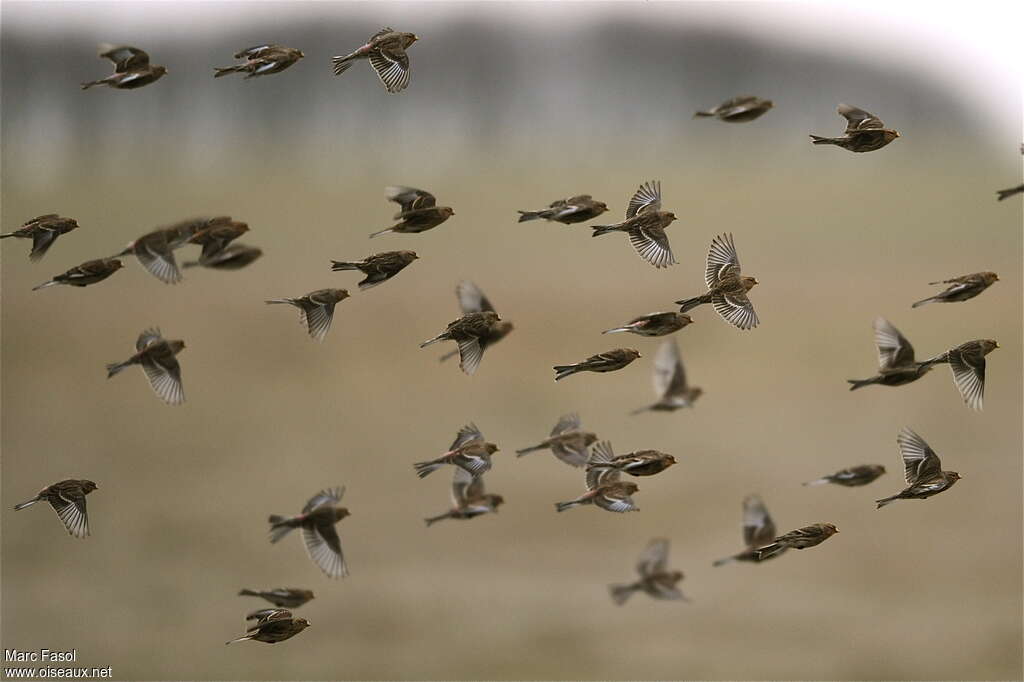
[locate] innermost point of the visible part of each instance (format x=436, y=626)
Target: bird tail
x=277, y=529
x=616, y=330
x=723, y=562
x=815, y=139
x=859, y=383
x=562, y=371
x=380, y=232
x=688, y=304
x=51, y=283
x=770, y=551
x=641, y=410
x=526, y=451
x=528, y=215
x=923, y=302
x=562, y=506
x=27, y=503
x=240, y=639
x=434, y=519
x=603, y=229
x=424, y=469
x=1007, y=193
x=115, y=367
x=289, y=301
x=248, y=593
x=620, y=593
x=342, y=64
x=449, y=355
x=430, y=342
x=86, y=86
x=702, y=114
x=818, y=481
x=5, y=236
x=886, y=500
x=338, y=266
x=225, y=70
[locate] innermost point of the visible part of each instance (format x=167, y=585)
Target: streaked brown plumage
x=921, y=468
x=261, y=60
x=469, y=498
x=604, y=489
x=865, y=132
x=272, y=626
x=896, y=364
x=758, y=531
x=852, y=477
x=639, y=463
x=472, y=300
x=89, y=272
x=386, y=52
x=469, y=451
x=281, y=597
x=801, y=538
x=727, y=286
x=577, y=209
x=568, y=442
x=654, y=324
x=645, y=224
x=216, y=234
x=467, y=332
x=155, y=250
x=131, y=68
x=419, y=213
x=738, y=109
x=609, y=361
x=316, y=309
x=961, y=288
x=378, y=267
x=156, y=356
x=234, y=256
x=319, y=535
x=67, y=499
x=669, y=379
x=967, y=361
x=43, y=231
x=655, y=579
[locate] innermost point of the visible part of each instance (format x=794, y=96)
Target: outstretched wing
x=329, y=496
x=647, y=198
x=858, y=119
x=893, y=348
x=920, y=462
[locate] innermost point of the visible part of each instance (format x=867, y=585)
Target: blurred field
x=921, y=590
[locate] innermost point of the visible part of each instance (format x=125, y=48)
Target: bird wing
x=324, y=548
x=736, y=309
x=568, y=422
x=409, y=198
x=155, y=254
x=651, y=243
x=257, y=51
x=654, y=559
x=465, y=487
x=327, y=496
x=668, y=377
x=470, y=355
x=164, y=374
x=392, y=67
x=472, y=299
x=126, y=58
x=758, y=527
x=597, y=475
x=646, y=198
x=858, y=119
x=466, y=434
x=736, y=105
x=893, y=348
x=383, y=32
x=969, y=377
x=722, y=261
x=151, y=335
x=919, y=461
x=317, y=318
x=70, y=507
x=267, y=615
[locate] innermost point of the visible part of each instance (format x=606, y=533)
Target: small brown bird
x=639, y=463
x=645, y=224
x=609, y=361
x=801, y=538
x=468, y=451
x=155, y=250
x=852, y=477
x=282, y=597
x=963, y=288
x=386, y=51
x=655, y=579
x=568, y=442
x=727, y=287
x=272, y=626
x=968, y=364
x=1007, y=193
x=669, y=378
x=318, y=532
x=467, y=332
x=215, y=236
x=472, y=300
x=865, y=132
x=43, y=231
x=379, y=267
x=316, y=309
x=262, y=60
x=89, y=272
x=738, y=109
x=654, y=324
x=922, y=469
x=131, y=68
x=235, y=256
x=896, y=364
x=604, y=489
x=156, y=355
x=577, y=209
x=67, y=499
x=758, y=531
x=419, y=211
x=469, y=498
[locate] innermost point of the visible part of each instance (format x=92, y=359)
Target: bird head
x=301, y=623
x=989, y=277
x=340, y=513
x=491, y=448
x=676, y=576
x=88, y=486
x=669, y=460
x=176, y=346
x=448, y=211
x=496, y=501
x=988, y=345
x=684, y=318
x=829, y=529
x=408, y=256
x=954, y=475
x=159, y=71
x=670, y=216
x=749, y=282
x=115, y=264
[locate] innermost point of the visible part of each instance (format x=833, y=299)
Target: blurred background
x=511, y=106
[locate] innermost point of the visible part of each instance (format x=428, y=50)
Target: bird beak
x=997, y=344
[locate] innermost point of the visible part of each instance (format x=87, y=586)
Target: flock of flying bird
x=480, y=327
